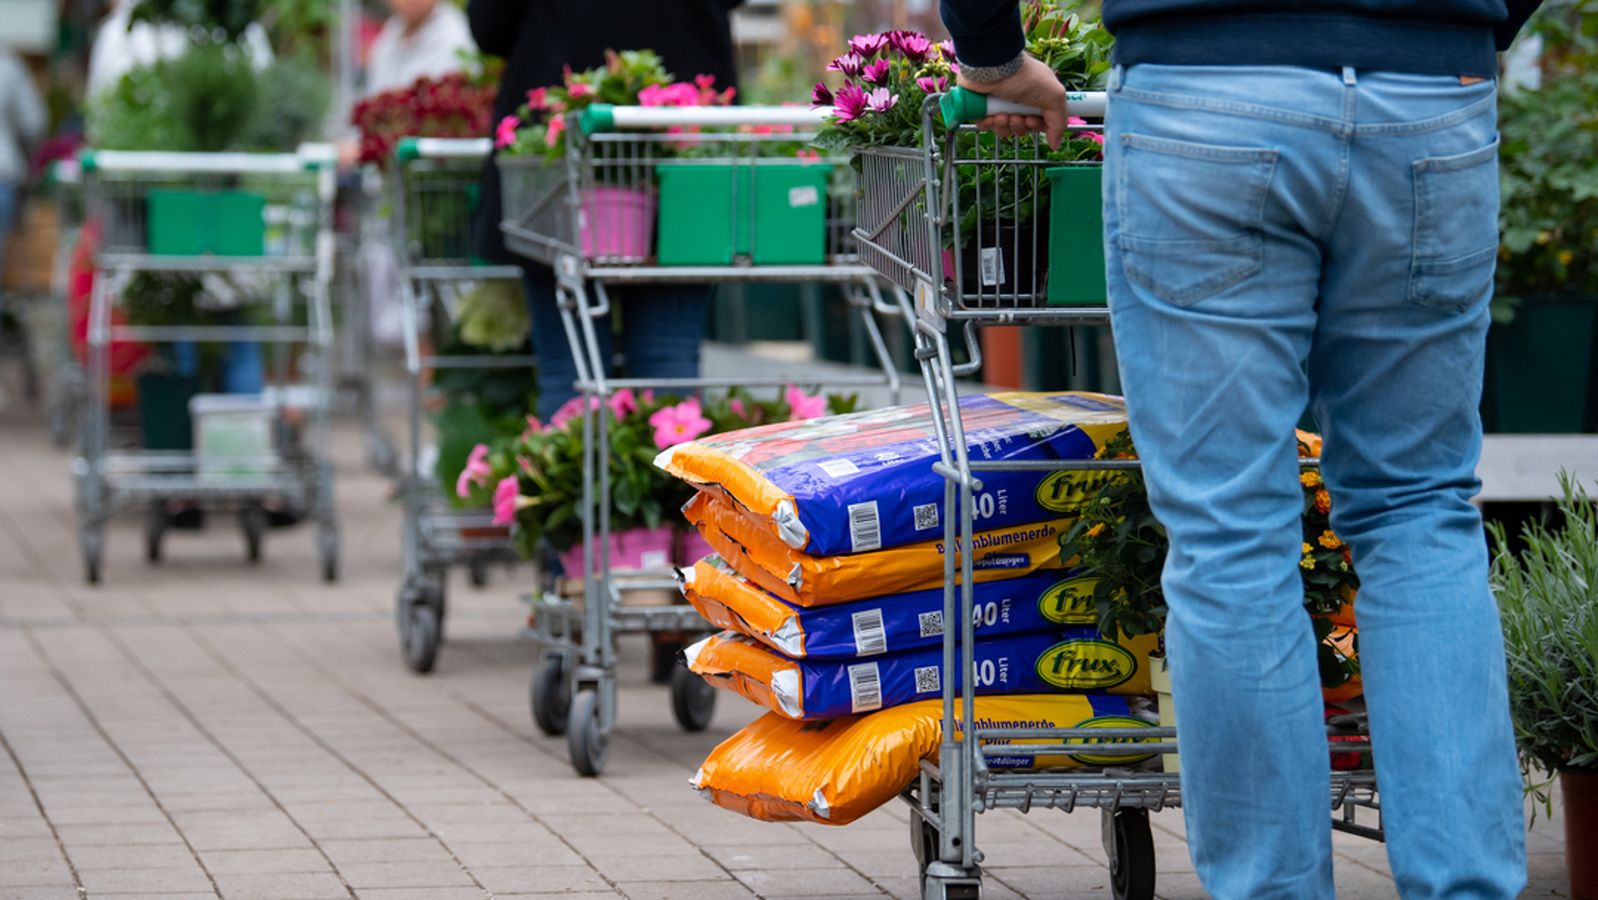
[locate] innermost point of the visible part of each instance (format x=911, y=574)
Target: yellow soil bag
x=832, y=773
x=805, y=580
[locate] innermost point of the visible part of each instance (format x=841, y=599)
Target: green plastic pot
x=199, y=223
x=1076, y=236
x=705, y=213
x=163, y=407
x=1541, y=373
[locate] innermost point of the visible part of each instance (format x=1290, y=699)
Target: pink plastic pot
x=691, y=548
x=617, y=222
x=641, y=549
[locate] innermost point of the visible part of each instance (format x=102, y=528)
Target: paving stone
x=29, y=848
x=34, y=872
x=137, y=856
x=423, y=849
x=404, y=874
x=433, y=893
x=281, y=886
x=727, y=889
x=145, y=881
x=804, y=882
x=263, y=862
x=618, y=864
x=547, y=879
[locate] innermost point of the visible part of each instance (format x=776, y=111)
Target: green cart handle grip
x=961, y=106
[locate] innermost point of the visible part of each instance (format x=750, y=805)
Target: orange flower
x=1310, y=478
x=1329, y=540
x=1308, y=562
x=1323, y=501
x=1096, y=530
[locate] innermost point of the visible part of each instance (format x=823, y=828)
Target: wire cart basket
x=922, y=213
x=262, y=224
x=64, y=394
x=591, y=216
x=436, y=184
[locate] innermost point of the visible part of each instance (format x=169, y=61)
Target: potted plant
x=1546, y=307
x=1548, y=601
x=1121, y=544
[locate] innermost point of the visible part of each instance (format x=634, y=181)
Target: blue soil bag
x=1072, y=660
x=885, y=624
x=864, y=481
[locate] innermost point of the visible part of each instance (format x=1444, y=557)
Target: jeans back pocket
x=1190, y=214
x=1456, y=228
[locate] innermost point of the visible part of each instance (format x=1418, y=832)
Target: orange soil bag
x=834, y=772
x=805, y=580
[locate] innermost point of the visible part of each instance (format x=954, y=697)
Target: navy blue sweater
x=1433, y=37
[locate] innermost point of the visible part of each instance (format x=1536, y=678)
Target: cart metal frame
x=574, y=685
x=301, y=185
x=910, y=211
x=65, y=392
x=433, y=177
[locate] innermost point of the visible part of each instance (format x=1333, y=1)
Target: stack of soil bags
x=830, y=537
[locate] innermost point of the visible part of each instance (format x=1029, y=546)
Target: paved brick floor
x=206, y=727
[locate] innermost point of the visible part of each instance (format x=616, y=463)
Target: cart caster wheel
x=154, y=529
x=252, y=520
x=477, y=573
x=550, y=696
x=1129, y=843
x=327, y=548
x=693, y=700
x=587, y=743
x=91, y=558
x=421, y=638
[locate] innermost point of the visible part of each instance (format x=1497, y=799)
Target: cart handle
x=307, y=157
x=607, y=117
x=962, y=107
x=411, y=149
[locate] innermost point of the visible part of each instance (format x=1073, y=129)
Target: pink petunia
x=552, y=133
x=876, y=72
x=1094, y=136
x=623, y=403
x=538, y=98
x=705, y=82
x=505, y=132
x=679, y=424
x=867, y=45
x=849, y=64
x=579, y=89
x=506, y=493
x=533, y=427
x=475, y=473
x=802, y=405
x=881, y=100
x=821, y=95
x=807, y=155
x=851, y=103
x=737, y=407
x=570, y=410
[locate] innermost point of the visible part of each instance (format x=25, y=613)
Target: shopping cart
x=259, y=227
x=64, y=396
x=435, y=194
x=362, y=223
x=590, y=216
x=923, y=212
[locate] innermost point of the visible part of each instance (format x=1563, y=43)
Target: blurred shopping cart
x=650, y=195
x=938, y=221
x=257, y=229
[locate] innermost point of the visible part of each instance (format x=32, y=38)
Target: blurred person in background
x=22, y=123
x=421, y=38
x=663, y=325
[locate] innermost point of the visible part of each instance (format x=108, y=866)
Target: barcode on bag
x=931, y=624
x=991, y=261
x=865, y=529
x=927, y=679
x=839, y=468
x=926, y=516
x=865, y=688
x=869, y=635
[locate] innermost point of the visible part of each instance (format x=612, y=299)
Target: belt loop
x=1348, y=76
x=1114, y=83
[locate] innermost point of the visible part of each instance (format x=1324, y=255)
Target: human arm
x=1519, y=12
x=988, y=40
x=495, y=24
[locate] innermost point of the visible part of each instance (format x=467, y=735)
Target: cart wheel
x=252, y=519
x=327, y=548
x=422, y=638
x=550, y=696
x=1130, y=844
x=693, y=700
x=154, y=528
x=587, y=744
x=91, y=557
x=477, y=573
x=663, y=652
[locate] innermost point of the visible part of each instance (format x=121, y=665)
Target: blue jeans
x=662, y=328
x=1280, y=238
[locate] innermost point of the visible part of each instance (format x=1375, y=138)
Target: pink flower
x=931, y=85
x=849, y=64
x=578, y=89
x=705, y=82
x=506, y=494
x=915, y=47
x=802, y=405
x=881, y=100
x=674, y=94
x=1094, y=136
x=946, y=50
x=553, y=131
x=505, y=133
x=876, y=72
x=679, y=424
x=868, y=45
x=851, y=102
x=538, y=98
x=807, y=155
x=570, y=410
x=533, y=427
x=737, y=407
x=820, y=95
x=476, y=472
x=623, y=403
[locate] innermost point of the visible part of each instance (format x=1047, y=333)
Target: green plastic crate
x=1076, y=236
x=198, y=223
x=705, y=213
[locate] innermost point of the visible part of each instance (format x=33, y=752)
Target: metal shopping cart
x=64, y=395
x=259, y=226
x=932, y=221
x=590, y=216
x=436, y=184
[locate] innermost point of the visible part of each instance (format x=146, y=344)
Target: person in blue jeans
x=1300, y=210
